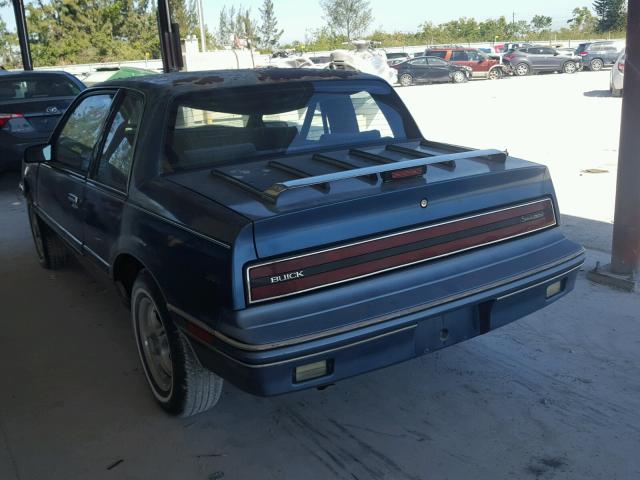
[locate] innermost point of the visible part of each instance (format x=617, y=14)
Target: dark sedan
x=430, y=70
x=31, y=104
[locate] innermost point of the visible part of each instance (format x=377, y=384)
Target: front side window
x=117, y=152
x=76, y=143
x=437, y=62
x=232, y=125
x=419, y=61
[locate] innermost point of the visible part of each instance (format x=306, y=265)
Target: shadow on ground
x=591, y=234
x=598, y=93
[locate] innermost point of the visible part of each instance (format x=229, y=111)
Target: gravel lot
x=568, y=122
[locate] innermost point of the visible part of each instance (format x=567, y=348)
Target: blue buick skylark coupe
x=283, y=229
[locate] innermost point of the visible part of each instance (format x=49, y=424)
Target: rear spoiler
x=274, y=191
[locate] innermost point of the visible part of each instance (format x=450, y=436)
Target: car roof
x=33, y=73
x=190, y=81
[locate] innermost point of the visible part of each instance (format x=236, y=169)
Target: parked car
x=31, y=104
x=617, y=76
x=480, y=64
x=430, y=70
x=286, y=229
x=397, y=57
x=504, y=48
x=597, y=55
x=539, y=59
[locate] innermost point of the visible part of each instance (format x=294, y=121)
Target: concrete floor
x=555, y=395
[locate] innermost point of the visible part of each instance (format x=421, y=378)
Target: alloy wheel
x=154, y=343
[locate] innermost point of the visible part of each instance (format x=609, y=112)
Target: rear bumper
x=403, y=334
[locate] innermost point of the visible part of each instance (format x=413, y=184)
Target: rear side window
x=117, y=153
x=547, y=51
x=76, y=143
x=419, y=61
x=41, y=87
x=459, y=56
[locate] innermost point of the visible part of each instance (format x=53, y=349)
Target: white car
x=617, y=76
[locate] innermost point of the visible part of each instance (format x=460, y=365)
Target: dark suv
x=539, y=59
x=594, y=56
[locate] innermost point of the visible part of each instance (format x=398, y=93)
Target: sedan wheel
x=522, y=69
x=570, y=67
x=406, y=80
x=596, y=64
x=459, y=77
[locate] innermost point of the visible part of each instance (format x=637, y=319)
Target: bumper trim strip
x=379, y=319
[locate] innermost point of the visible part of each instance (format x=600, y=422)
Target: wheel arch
x=125, y=269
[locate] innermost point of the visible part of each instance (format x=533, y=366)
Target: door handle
x=73, y=199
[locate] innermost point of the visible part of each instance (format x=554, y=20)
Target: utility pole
x=203, y=38
x=23, y=34
x=625, y=256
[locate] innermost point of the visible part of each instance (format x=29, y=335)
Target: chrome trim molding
x=382, y=318
x=426, y=227
x=322, y=352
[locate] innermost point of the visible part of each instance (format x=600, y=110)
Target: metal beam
x=23, y=34
x=625, y=258
x=166, y=36
x=623, y=270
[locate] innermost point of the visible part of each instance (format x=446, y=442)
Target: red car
x=482, y=66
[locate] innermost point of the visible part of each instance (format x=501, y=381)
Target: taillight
x=621, y=66
x=404, y=173
x=584, y=54
x=5, y=117
x=508, y=57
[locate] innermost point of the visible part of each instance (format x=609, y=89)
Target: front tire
x=596, y=64
x=406, y=80
x=522, y=70
x=570, y=67
x=458, y=77
x=51, y=251
x=179, y=383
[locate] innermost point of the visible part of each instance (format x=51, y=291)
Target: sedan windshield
x=229, y=125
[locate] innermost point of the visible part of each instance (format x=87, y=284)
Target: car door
x=419, y=70
x=61, y=180
x=550, y=59
x=534, y=55
x=478, y=62
x=108, y=179
x=439, y=69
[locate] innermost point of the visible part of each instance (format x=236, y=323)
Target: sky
x=297, y=17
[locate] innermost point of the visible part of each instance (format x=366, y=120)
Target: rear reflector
x=302, y=273
x=584, y=54
x=311, y=371
x=5, y=117
x=621, y=66
x=554, y=289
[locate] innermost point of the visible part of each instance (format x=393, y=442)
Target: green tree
x=269, y=34
x=351, y=18
x=612, y=15
x=582, y=20
x=8, y=42
x=540, y=23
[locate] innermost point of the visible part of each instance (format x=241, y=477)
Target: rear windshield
x=41, y=87
x=234, y=124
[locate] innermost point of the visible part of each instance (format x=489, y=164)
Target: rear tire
x=458, y=77
x=495, y=74
x=51, y=251
x=522, y=70
x=406, y=80
x=179, y=383
x=570, y=67
x=596, y=64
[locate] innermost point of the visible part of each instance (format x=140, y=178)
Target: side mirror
x=37, y=153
